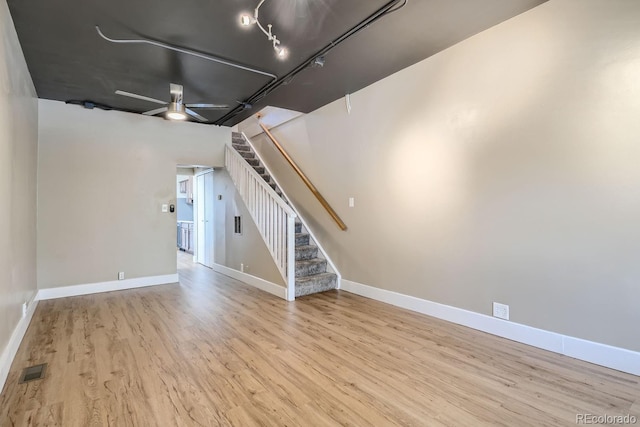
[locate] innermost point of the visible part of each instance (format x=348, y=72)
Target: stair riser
x=309, y=253
x=321, y=285
x=253, y=162
x=259, y=169
x=241, y=148
x=247, y=154
x=298, y=227
x=302, y=240
x=311, y=269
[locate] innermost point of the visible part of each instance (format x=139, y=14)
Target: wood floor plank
x=213, y=351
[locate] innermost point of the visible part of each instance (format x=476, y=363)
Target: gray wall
x=103, y=176
x=18, y=165
x=502, y=169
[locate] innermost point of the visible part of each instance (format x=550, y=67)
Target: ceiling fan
x=175, y=109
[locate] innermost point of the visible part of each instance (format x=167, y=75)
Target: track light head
x=282, y=52
x=246, y=20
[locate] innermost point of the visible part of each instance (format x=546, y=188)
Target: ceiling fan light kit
x=175, y=109
x=247, y=20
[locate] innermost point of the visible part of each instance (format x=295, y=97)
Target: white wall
x=18, y=164
x=103, y=176
x=502, y=169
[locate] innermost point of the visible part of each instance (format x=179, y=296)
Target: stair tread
x=306, y=247
x=314, y=277
x=311, y=261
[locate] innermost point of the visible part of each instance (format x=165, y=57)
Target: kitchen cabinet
x=185, y=236
x=186, y=187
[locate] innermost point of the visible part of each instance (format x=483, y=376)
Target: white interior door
x=199, y=219
x=204, y=218
x=208, y=219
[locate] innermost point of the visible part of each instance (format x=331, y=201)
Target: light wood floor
x=212, y=351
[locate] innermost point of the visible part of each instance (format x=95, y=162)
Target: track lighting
x=246, y=20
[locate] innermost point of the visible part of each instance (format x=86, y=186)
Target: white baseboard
x=601, y=354
x=115, y=285
x=256, y=282
x=9, y=353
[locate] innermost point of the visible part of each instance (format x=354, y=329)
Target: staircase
x=311, y=274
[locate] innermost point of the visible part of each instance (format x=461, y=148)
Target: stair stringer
x=331, y=266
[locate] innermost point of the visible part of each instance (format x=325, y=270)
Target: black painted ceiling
x=68, y=61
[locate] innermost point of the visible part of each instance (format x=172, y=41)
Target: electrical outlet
x=352, y=202
x=501, y=311
x=25, y=306
x=121, y=275
x=242, y=267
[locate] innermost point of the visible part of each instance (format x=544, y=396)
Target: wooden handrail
x=304, y=178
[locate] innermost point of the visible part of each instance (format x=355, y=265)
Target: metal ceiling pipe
x=390, y=7
x=189, y=52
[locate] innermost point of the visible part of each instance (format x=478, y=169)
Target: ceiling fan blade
x=196, y=115
x=176, y=93
x=210, y=106
x=154, y=112
x=144, y=98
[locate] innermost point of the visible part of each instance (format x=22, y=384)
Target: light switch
x=352, y=202
x=165, y=208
